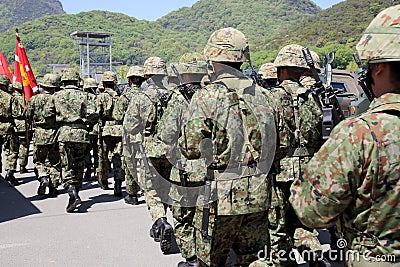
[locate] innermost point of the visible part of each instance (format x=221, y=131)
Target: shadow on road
x=13, y=204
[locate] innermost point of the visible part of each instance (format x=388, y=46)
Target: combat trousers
x=72, y=163
x=92, y=146
x=184, y=230
x=156, y=188
x=22, y=152
x=131, y=178
x=46, y=159
x=111, y=151
x=11, y=145
x=245, y=234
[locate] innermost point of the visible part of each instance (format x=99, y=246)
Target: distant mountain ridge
x=14, y=12
x=268, y=25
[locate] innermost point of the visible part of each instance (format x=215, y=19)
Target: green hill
x=13, y=13
x=47, y=39
x=268, y=25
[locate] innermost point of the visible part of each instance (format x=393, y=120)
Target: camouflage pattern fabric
x=355, y=176
x=249, y=230
x=10, y=109
x=73, y=112
x=233, y=207
x=141, y=126
x=118, y=115
x=46, y=159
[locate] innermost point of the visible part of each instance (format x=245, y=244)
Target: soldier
x=269, y=75
x=135, y=79
x=141, y=127
x=73, y=111
x=302, y=120
x=354, y=179
x=10, y=109
x=110, y=142
x=192, y=68
x=229, y=120
x=41, y=111
x=90, y=87
x=24, y=134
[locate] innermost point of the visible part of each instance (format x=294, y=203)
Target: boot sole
x=166, y=240
x=74, y=205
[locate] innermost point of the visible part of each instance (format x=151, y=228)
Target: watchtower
x=95, y=51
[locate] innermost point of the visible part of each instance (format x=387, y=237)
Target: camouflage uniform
x=192, y=68
x=73, y=111
x=10, y=109
x=354, y=177
x=24, y=135
x=41, y=111
x=268, y=73
x=302, y=119
x=135, y=76
x=110, y=145
x=140, y=127
x=90, y=86
x=232, y=112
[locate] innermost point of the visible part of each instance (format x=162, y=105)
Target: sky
x=145, y=9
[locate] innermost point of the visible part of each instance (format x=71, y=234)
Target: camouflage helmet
x=109, y=76
x=135, y=71
x=380, y=41
x=155, y=65
x=192, y=63
x=291, y=56
x=268, y=71
x=89, y=83
x=70, y=74
x=17, y=85
x=227, y=45
x=50, y=80
x=4, y=80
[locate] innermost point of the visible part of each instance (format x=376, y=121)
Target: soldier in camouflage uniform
x=192, y=68
x=24, y=135
x=355, y=176
x=269, y=75
x=110, y=143
x=135, y=79
x=74, y=111
x=141, y=127
x=90, y=87
x=230, y=128
x=302, y=120
x=41, y=111
x=10, y=109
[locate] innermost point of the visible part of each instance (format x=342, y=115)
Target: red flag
x=23, y=71
x=4, y=67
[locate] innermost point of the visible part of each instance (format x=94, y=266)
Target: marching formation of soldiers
x=242, y=163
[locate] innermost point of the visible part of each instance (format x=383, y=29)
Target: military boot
x=44, y=182
x=74, y=199
x=53, y=192
x=131, y=199
x=22, y=170
x=102, y=182
x=11, y=179
x=162, y=232
x=118, y=188
x=189, y=263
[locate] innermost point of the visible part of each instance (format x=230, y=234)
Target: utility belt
x=74, y=125
x=237, y=173
x=298, y=152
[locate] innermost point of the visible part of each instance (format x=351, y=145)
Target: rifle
x=362, y=78
x=332, y=113
x=185, y=90
x=205, y=220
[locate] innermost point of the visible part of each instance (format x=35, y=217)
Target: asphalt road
x=104, y=232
